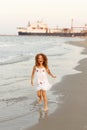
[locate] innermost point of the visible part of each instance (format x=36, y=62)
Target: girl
x=40, y=78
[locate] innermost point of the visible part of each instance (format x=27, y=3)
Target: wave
x=6, y=45
x=13, y=82
x=6, y=119
x=17, y=99
x=56, y=54
x=16, y=59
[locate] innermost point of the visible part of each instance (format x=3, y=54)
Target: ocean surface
x=18, y=99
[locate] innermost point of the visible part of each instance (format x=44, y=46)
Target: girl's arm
x=49, y=72
x=32, y=76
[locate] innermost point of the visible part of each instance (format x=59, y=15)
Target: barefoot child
x=39, y=76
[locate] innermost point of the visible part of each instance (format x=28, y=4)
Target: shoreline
x=71, y=114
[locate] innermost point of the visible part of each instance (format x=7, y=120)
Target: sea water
x=18, y=107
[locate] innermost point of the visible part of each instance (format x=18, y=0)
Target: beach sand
x=72, y=112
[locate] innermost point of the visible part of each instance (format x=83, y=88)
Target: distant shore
x=8, y=35
x=72, y=113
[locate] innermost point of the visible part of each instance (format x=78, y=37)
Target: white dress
x=41, y=80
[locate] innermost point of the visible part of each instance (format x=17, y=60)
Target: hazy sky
x=15, y=13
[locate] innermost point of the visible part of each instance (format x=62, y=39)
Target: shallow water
x=18, y=108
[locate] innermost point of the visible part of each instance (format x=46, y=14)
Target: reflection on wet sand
x=42, y=114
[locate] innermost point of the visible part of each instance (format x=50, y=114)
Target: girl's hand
x=32, y=83
x=54, y=76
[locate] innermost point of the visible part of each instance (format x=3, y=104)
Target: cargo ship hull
x=53, y=34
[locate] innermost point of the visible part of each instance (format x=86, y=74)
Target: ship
x=41, y=29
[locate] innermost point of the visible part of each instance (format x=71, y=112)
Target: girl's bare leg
x=39, y=94
x=45, y=100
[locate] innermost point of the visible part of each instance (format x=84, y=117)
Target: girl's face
x=40, y=59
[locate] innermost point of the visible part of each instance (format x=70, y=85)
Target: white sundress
x=41, y=80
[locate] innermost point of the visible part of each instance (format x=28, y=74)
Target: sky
x=17, y=13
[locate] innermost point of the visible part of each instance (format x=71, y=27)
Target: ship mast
x=72, y=25
x=29, y=24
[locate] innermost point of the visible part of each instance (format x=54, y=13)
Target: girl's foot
x=45, y=108
x=40, y=101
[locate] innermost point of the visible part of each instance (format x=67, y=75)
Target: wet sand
x=72, y=112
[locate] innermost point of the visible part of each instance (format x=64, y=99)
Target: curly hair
x=45, y=60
